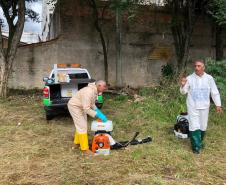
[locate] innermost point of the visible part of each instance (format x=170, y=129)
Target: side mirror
x=45, y=79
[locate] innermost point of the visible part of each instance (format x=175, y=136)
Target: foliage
x=217, y=8
x=10, y=11
x=218, y=70
x=184, y=14
x=121, y=4
x=167, y=71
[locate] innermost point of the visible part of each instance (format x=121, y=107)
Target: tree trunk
x=4, y=76
x=105, y=56
x=118, y=48
x=184, y=18
x=104, y=51
x=182, y=46
x=7, y=55
x=219, y=43
x=182, y=42
x=99, y=30
x=185, y=54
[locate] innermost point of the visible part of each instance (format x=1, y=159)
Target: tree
x=98, y=27
x=118, y=7
x=16, y=13
x=184, y=14
x=217, y=8
x=219, y=47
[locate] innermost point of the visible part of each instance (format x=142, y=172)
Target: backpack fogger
x=181, y=128
x=103, y=142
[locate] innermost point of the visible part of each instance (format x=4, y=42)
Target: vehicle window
x=79, y=76
x=72, y=74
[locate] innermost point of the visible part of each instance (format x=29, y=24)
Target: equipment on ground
x=181, y=128
x=103, y=142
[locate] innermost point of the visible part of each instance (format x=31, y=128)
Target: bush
x=167, y=71
x=218, y=70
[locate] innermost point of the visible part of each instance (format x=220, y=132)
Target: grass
x=34, y=152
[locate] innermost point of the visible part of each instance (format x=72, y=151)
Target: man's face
x=199, y=68
x=101, y=87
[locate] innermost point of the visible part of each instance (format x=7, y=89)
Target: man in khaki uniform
x=79, y=106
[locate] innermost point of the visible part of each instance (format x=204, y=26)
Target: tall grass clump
x=218, y=70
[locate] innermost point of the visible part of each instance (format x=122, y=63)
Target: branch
x=14, y=9
x=103, y=10
x=6, y=13
x=93, y=5
x=34, y=16
x=1, y=40
x=18, y=31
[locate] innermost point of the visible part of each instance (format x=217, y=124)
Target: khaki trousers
x=80, y=122
x=79, y=117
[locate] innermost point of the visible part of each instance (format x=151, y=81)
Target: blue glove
x=100, y=115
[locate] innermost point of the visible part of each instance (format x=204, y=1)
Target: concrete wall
x=147, y=44
x=32, y=64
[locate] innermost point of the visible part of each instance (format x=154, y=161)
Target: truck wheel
x=49, y=116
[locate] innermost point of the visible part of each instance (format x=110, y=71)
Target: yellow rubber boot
x=83, y=139
x=76, y=138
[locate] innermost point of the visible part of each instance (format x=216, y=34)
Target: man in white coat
x=199, y=86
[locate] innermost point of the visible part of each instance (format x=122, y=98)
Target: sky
x=31, y=26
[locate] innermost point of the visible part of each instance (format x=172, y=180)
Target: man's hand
x=219, y=109
x=100, y=115
x=183, y=81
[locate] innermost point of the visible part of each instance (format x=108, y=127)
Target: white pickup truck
x=63, y=82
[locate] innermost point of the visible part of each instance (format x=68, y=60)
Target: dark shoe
x=196, y=151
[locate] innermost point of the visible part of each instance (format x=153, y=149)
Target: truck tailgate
x=68, y=89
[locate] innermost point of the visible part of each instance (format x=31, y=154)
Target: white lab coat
x=198, y=90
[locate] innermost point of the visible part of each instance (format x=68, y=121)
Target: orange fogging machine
x=103, y=142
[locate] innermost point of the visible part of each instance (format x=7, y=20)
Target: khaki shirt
x=85, y=99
